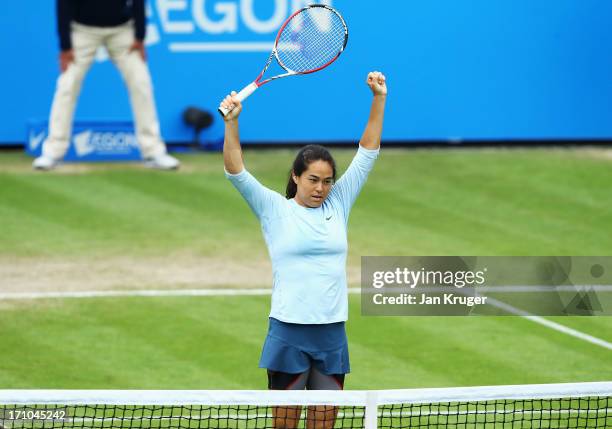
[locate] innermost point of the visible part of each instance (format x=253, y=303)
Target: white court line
x=135, y=293
x=262, y=292
x=549, y=289
x=549, y=324
x=508, y=289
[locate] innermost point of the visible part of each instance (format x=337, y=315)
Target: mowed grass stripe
x=417, y=202
x=489, y=206
x=468, y=351
x=488, y=202
x=600, y=327
x=129, y=343
x=58, y=220
x=101, y=214
x=460, y=198
x=215, y=342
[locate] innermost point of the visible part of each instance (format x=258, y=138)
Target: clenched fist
x=377, y=83
x=233, y=104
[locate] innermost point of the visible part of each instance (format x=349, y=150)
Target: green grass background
x=421, y=202
x=440, y=202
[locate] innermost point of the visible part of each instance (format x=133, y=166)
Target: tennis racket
x=308, y=41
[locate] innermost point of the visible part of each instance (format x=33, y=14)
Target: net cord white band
x=320, y=397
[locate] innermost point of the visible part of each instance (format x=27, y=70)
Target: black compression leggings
x=313, y=379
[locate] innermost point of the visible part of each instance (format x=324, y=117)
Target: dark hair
x=307, y=155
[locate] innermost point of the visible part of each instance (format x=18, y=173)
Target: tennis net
x=574, y=405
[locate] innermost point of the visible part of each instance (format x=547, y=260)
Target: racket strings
x=312, y=39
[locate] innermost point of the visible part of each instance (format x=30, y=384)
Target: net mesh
x=311, y=39
x=193, y=416
x=390, y=411
x=591, y=412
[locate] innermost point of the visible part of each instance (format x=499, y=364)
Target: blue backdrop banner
x=91, y=141
x=457, y=70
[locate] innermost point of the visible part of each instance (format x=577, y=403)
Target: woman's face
x=314, y=184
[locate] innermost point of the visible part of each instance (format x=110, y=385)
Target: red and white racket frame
x=252, y=87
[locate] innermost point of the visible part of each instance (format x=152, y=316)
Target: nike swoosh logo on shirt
x=328, y=218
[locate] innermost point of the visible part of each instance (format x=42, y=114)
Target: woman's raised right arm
x=263, y=201
x=232, y=152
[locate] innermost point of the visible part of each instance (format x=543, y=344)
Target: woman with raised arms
x=306, y=235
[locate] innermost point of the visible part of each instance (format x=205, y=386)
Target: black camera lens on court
x=198, y=119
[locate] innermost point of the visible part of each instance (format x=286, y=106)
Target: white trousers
x=85, y=42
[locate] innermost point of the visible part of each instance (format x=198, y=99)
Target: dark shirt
x=99, y=13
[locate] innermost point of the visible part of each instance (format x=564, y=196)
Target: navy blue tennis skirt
x=293, y=348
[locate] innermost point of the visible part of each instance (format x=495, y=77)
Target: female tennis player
x=306, y=235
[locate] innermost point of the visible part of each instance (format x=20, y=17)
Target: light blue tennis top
x=307, y=245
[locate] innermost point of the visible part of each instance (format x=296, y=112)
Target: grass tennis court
x=476, y=202
x=419, y=202
x=215, y=342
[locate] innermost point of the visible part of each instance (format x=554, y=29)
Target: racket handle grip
x=242, y=95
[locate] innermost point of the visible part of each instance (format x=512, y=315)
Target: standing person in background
x=119, y=26
x=306, y=234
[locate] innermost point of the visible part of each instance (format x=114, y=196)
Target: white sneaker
x=45, y=163
x=162, y=162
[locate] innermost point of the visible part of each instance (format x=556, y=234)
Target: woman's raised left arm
x=373, y=131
